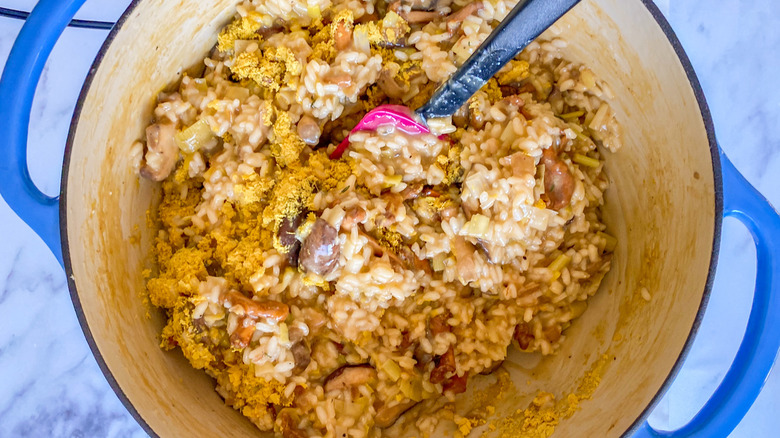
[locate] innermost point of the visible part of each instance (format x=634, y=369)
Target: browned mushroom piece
x=243, y=333
x=456, y=384
x=438, y=324
x=350, y=376
x=342, y=35
x=463, y=251
x=457, y=17
x=272, y=310
x=288, y=228
x=309, y=130
x=461, y=116
x=353, y=216
x=445, y=368
x=552, y=333
x=388, y=84
x=161, y=152
x=287, y=425
x=388, y=413
x=520, y=163
x=558, y=180
x=426, y=5
x=320, y=250
x=302, y=356
x=415, y=17
x=524, y=335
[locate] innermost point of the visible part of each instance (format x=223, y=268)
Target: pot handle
x=756, y=355
x=20, y=77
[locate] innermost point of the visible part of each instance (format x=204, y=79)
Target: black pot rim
x=718, y=217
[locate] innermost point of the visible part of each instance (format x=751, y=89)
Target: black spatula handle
x=527, y=20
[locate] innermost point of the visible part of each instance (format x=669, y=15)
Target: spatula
x=527, y=20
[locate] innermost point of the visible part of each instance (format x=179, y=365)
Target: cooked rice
x=444, y=244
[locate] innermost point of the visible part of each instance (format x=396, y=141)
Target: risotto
x=329, y=295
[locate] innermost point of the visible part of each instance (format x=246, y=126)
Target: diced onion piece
x=559, y=263
x=610, y=241
x=438, y=262
x=585, y=160
x=284, y=334
x=240, y=46
x=314, y=11
x=392, y=369
x=412, y=389
x=195, y=137
x=572, y=115
x=239, y=93
x=478, y=226
x=392, y=180
x=588, y=78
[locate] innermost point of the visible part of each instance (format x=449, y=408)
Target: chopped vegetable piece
x=412, y=389
x=610, y=242
x=239, y=93
x=284, y=334
x=585, y=160
x=438, y=262
x=572, y=115
x=392, y=369
x=559, y=263
x=478, y=226
x=197, y=136
x=392, y=180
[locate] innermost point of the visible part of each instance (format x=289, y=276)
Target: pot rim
x=717, y=226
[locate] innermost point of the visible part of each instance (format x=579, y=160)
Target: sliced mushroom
x=355, y=215
x=464, y=259
x=320, y=251
x=161, y=152
x=287, y=425
x=342, y=35
x=461, y=116
x=243, y=334
x=302, y=356
x=388, y=84
x=454, y=19
x=387, y=414
x=350, y=376
x=520, y=163
x=287, y=239
x=445, y=368
x=456, y=384
x=272, y=310
x=438, y=324
x=309, y=130
x=524, y=335
x=426, y=5
x=558, y=180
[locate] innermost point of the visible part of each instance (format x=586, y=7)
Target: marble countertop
x=51, y=385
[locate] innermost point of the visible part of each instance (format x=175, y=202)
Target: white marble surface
x=51, y=385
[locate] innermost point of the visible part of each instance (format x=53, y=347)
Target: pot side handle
x=20, y=77
x=756, y=355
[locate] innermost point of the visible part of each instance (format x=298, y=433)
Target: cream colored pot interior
x=661, y=207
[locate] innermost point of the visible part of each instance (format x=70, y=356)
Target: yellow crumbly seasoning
x=297, y=184
x=518, y=70
x=540, y=419
x=237, y=246
x=286, y=144
x=389, y=32
x=493, y=91
x=270, y=67
x=244, y=28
